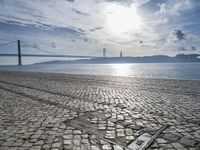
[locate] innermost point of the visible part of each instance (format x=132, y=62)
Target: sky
x=85, y=27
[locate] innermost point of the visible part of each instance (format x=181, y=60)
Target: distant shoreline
x=44, y=63
x=180, y=58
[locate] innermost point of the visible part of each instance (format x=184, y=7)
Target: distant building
x=104, y=52
x=120, y=53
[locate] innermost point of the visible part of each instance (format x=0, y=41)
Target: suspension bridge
x=19, y=54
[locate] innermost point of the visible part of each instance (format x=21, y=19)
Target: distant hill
x=144, y=59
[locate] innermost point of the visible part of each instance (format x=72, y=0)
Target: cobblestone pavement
x=79, y=112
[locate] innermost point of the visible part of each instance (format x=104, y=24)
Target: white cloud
x=160, y=21
x=174, y=7
x=89, y=17
x=141, y=2
x=52, y=12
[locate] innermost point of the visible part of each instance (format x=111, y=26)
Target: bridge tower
x=19, y=53
x=104, y=52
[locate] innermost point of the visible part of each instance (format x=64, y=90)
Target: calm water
x=143, y=70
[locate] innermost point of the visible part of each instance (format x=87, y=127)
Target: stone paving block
x=188, y=142
x=35, y=109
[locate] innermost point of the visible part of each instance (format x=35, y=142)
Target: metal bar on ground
x=155, y=136
x=145, y=140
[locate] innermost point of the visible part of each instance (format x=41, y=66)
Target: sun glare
x=121, y=69
x=121, y=19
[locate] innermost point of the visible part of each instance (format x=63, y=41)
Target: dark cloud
x=79, y=12
x=177, y=35
x=81, y=30
x=73, y=40
x=97, y=28
x=193, y=48
x=36, y=46
x=70, y=1
x=85, y=39
x=140, y=43
x=68, y=30
x=53, y=45
x=182, y=49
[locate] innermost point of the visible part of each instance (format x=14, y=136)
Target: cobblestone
x=52, y=111
x=188, y=142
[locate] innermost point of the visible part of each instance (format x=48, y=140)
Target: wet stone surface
x=41, y=111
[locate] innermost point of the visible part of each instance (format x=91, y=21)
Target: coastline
x=37, y=107
x=183, y=71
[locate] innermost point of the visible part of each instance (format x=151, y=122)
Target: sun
x=121, y=19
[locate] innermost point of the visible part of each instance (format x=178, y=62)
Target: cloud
x=176, y=35
x=185, y=48
x=53, y=45
x=80, y=13
x=174, y=7
x=95, y=29
x=70, y=1
x=141, y=2
x=85, y=39
x=124, y=2
x=36, y=46
x=161, y=21
x=80, y=24
x=27, y=45
x=140, y=43
x=52, y=13
x=193, y=48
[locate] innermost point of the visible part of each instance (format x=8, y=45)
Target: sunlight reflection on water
x=121, y=69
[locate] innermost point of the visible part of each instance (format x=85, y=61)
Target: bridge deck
x=37, y=55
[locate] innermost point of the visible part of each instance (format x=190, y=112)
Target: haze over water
x=186, y=71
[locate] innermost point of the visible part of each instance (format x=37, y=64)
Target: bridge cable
x=8, y=43
x=95, y=52
x=108, y=52
x=39, y=49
